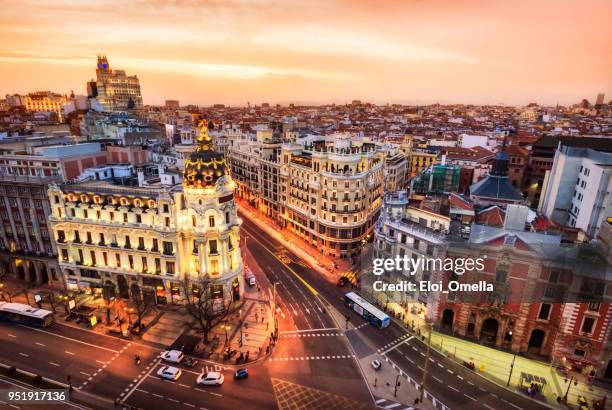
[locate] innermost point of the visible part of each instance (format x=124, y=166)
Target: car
x=251, y=280
x=342, y=281
x=241, y=374
x=189, y=362
x=376, y=364
x=169, y=373
x=210, y=379
x=172, y=356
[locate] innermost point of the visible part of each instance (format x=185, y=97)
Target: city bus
x=25, y=314
x=366, y=310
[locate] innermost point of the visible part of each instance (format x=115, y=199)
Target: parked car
x=169, y=373
x=376, y=364
x=189, y=362
x=342, y=281
x=251, y=280
x=241, y=374
x=210, y=379
x=172, y=356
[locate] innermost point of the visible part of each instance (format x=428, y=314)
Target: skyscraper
x=115, y=90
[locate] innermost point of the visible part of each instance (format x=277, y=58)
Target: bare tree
x=141, y=302
x=4, y=291
x=202, y=305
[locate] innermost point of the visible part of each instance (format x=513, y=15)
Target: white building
x=577, y=191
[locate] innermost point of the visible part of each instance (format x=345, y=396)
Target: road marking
x=470, y=383
x=189, y=404
x=67, y=352
x=439, y=381
x=421, y=368
x=143, y=391
x=24, y=355
x=157, y=395
x=142, y=379
x=451, y=387
x=487, y=406
x=173, y=400
x=440, y=364
x=202, y=390
x=86, y=374
x=309, y=330
x=380, y=401
x=422, y=354
x=391, y=406
x=460, y=377
x=40, y=344
x=11, y=335
x=515, y=406
x=469, y=397
x=101, y=362
x=216, y=394
x=397, y=345
x=450, y=371
x=54, y=364
x=68, y=338
x=184, y=385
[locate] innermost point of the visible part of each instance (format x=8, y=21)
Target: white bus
x=25, y=314
x=367, y=310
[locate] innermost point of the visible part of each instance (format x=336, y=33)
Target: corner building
x=332, y=193
x=151, y=238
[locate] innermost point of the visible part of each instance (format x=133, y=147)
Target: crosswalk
x=389, y=404
x=214, y=368
x=298, y=358
x=352, y=276
x=313, y=334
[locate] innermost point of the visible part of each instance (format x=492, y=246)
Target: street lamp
x=226, y=327
x=274, y=306
x=511, y=369
x=426, y=362
x=568, y=387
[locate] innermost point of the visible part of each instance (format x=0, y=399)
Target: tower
x=209, y=224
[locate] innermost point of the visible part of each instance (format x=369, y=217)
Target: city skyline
x=234, y=53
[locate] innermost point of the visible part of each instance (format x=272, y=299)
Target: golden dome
x=205, y=165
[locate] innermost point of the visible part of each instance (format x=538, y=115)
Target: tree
x=5, y=293
x=141, y=303
x=207, y=310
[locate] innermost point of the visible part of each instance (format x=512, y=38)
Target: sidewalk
x=495, y=365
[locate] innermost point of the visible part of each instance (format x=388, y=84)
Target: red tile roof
x=491, y=216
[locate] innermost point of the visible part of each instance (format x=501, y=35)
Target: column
x=204, y=256
x=38, y=273
x=224, y=256
x=201, y=251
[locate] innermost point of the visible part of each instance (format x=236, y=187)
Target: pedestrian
x=260, y=350
x=267, y=325
x=246, y=358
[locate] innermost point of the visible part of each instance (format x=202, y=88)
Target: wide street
x=314, y=361
x=452, y=384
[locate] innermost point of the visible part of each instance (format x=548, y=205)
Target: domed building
x=120, y=236
x=208, y=223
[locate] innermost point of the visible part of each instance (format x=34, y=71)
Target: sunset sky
x=411, y=51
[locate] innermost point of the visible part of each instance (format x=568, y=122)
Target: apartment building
x=577, y=190
x=46, y=101
x=405, y=230
x=332, y=191
x=131, y=235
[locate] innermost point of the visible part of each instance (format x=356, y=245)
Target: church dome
x=205, y=165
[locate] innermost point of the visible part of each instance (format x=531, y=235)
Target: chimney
x=141, y=178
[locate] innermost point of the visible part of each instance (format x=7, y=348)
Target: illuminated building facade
x=115, y=90
x=331, y=192
x=46, y=101
x=151, y=237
